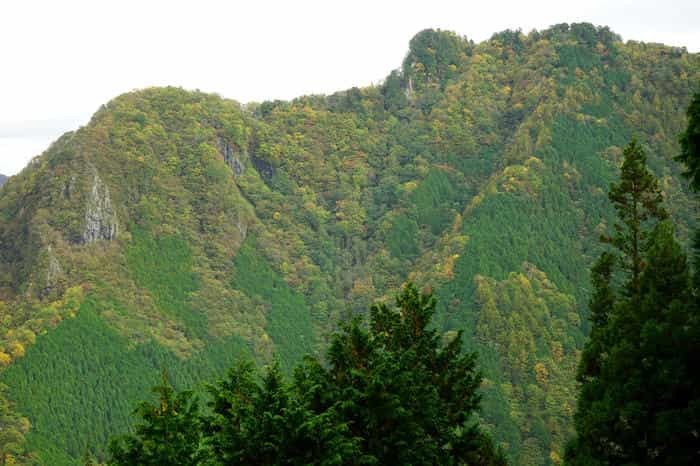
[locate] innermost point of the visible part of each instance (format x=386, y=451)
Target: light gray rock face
x=53, y=271
x=242, y=227
x=100, y=218
x=409, y=88
x=3, y=178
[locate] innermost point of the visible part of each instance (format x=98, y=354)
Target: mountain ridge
x=185, y=228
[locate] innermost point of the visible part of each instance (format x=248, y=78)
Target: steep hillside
x=181, y=230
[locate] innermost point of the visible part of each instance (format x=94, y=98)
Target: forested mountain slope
x=181, y=230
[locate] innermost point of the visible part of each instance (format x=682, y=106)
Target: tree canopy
x=639, y=402
x=391, y=391
x=218, y=229
x=690, y=143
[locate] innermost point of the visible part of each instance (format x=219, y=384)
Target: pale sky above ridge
x=61, y=60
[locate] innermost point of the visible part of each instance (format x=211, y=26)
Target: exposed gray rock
x=53, y=270
x=100, y=218
x=409, y=88
x=232, y=159
x=242, y=227
x=3, y=178
x=69, y=188
x=264, y=168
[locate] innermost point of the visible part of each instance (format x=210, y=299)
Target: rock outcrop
x=101, y=221
x=231, y=157
x=54, y=272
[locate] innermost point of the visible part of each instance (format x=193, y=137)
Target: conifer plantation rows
x=182, y=230
x=390, y=393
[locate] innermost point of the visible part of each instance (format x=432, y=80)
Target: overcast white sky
x=60, y=60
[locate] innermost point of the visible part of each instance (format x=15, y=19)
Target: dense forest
x=185, y=231
x=390, y=391
x=639, y=388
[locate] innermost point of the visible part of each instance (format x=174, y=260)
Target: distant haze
x=62, y=60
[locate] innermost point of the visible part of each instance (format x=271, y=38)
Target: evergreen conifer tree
x=638, y=202
x=690, y=156
x=267, y=424
x=690, y=143
x=390, y=393
x=636, y=404
x=407, y=397
x=169, y=432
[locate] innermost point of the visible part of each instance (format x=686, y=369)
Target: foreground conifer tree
x=407, y=398
x=690, y=143
x=389, y=393
x=169, y=431
x=690, y=156
x=638, y=403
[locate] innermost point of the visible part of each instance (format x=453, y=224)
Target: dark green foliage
x=434, y=56
x=100, y=379
x=600, y=308
x=394, y=93
x=639, y=402
x=288, y=317
x=270, y=423
x=169, y=433
x=163, y=266
x=403, y=238
x=638, y=202
x=690, y=156
x=690, y=143
x=511, y=40
x=585, y=33
x=247, y=417
x=603, y=298
x=532, y=324
x=479, y=169
x=406, y=397
x=390, y=394
x=433, y=199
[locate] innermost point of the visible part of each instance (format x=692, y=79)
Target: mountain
x=3, y=178
x=179, y=230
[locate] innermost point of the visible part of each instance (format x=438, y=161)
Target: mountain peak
x=177, y=229
x=435, y=56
